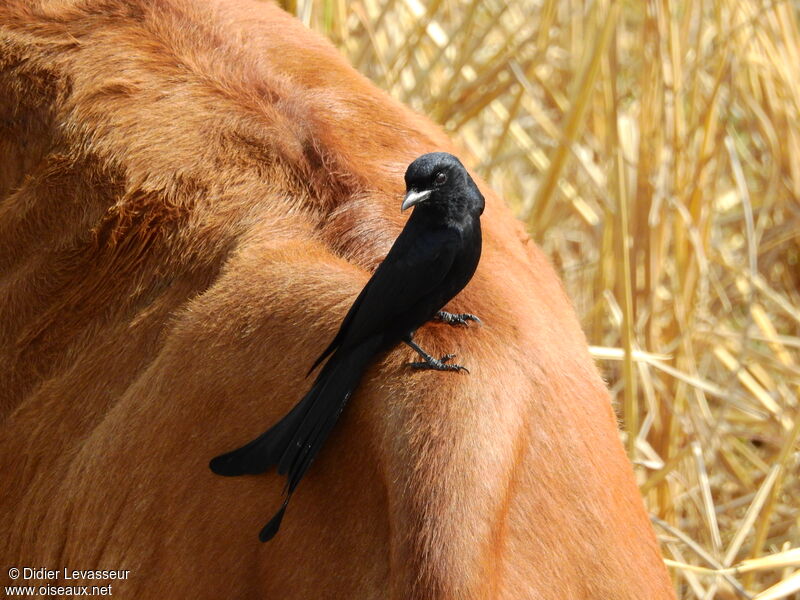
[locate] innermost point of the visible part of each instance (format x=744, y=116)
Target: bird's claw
x=457, y=318
x=438, y=365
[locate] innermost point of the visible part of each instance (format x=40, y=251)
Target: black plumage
x=432, y=260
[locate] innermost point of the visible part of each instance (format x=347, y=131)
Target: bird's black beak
x=413, y=197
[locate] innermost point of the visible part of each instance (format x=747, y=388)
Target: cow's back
x=194, y=194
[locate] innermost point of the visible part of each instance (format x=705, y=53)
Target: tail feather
x=265, y=451
x=294, y=442
x=301, y=461
x=337, y=385
x=271, y=528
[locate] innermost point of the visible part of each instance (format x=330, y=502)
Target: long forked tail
x=294, y=441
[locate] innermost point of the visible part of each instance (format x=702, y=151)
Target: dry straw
x=653, y=149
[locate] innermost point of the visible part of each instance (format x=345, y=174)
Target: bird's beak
x=413, y=197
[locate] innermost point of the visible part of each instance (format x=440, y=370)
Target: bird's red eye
x=440, y=178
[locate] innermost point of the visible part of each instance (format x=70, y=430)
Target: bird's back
x=426, y=267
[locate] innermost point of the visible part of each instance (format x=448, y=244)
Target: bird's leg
x=456, y=318
x=432, y=363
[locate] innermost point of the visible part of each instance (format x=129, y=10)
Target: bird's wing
x=342, y=328
x=415, y=266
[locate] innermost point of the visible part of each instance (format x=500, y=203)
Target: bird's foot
x=428, y=362
x=438, y=365
x=456, y=318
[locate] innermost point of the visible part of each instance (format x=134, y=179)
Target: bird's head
x=439, y=182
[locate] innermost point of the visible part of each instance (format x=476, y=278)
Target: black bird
x=432, y=260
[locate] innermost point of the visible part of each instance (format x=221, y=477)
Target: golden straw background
x=653, y=149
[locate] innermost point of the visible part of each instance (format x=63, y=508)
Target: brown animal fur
x=191, y=194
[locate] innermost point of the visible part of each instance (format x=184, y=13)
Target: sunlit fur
x=191, y=195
